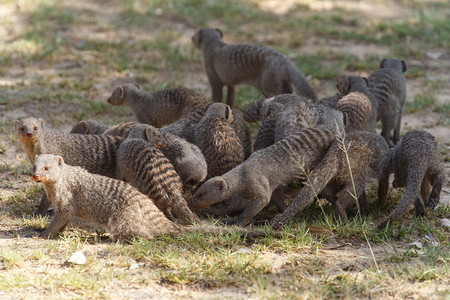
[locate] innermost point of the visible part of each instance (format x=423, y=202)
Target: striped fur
x=145, y=167
x=358, y=113
x=218, y=141
x=367, y=153
x=265, y=69
x=113, y=204
x=121, y=129
x=96, y=153
x=247, y=188
x=418, y=166
x=300, y=113
x=388, y=86
x=89, y=126
x=159, y=108
x=186, y=157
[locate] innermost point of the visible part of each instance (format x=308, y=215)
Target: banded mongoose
x=158, y=108
x=185, y=127
x=418, y=166
x=300, y=113
x=145, y=167
x=367, y=153
x=361, y=108
x=113, y=204
x=257, y=110
x=187, y=158
x=247, y=188
x=388, y=86
x=95, y=127
x=95, y=153
x=121, y=129
x=89, y=126
x=265, y=69
x=218, y=141
x=266, y=132
x=357, y=111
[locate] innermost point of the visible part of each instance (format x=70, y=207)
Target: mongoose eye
x=46, y=168
x=22, y=128
x=35, y=127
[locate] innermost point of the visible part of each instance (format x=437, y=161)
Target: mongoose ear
x=121, y=92
x=35, y=157
x=16, y=124
x=42, y=123
x=229, y=114
x=221, y=184
x=343, y=85
x=85, y=126
x=382, y=62
x=60, y=160
x=220, y=32
x=366, y=80
x=138, y=87
x=403, y=66
x=176, y=162
x=197, y=38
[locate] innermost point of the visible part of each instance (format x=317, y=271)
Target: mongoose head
x=81, y=127
x=209, y=193
x=148, y=133
x=253, y=112
x=270, y=109
x=396, y=64
x=29, y=129
x=205, y=35
x=47, y=168
x=348, y=84
x=183, y=168
x=154, y=137
x=121, y=93
x=221, y=111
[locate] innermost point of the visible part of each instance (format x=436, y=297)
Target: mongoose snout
x=36, y=178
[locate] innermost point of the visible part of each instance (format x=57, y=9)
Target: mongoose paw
x=46, y=235
x=277, y=224
x=433, y=202
x=383, y=224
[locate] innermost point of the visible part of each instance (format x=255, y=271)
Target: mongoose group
x=185, y=157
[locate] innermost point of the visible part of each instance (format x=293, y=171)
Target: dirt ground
x=12, y=179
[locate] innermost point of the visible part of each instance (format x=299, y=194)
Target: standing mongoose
x=388, y=86
x=418, y=166
x=247, y=188
x=95, y=153
x=89, y=126
x=186, y=158
x=145, y=167
x=113, y=204
x=357, y=111
x=158, y=108
x=265, y=69
x=218, y=141
x=367, y=153
x=300, y=113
